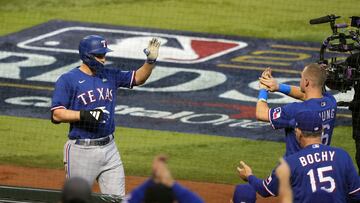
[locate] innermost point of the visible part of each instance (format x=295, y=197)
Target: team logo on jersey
x=277, y=113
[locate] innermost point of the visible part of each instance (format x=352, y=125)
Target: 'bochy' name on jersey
x=317, y=157
x=91, y=95
x=327, y=114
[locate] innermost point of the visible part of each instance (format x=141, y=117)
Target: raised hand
x=152, y=51
x=244, y=171
x=269, y=83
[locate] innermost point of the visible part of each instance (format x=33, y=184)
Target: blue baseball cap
x=307, y=121
x=244, y=193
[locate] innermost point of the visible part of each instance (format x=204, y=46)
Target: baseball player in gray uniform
x=85, y=97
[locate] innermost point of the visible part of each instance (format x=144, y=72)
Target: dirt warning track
x=54, y=179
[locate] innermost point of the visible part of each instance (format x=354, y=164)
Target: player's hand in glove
x=91, y=116
x=152, y=51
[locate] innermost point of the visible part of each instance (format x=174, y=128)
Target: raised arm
x=262, y=108
x=144, y=72
x=262, y=111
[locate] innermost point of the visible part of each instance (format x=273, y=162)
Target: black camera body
x=342, y=74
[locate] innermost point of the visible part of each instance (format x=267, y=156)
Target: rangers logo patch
x=277, y=113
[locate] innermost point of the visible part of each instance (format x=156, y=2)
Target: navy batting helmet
x=89, y=47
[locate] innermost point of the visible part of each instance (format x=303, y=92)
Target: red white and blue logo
x=277, y=113
x=175, y=48
x=203, y=83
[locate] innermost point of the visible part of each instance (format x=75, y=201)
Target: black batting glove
x=91, y=116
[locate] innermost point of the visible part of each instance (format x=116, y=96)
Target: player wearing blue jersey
x=85, y=97
x=311, y=92
x=313, y=99
x=319, y=171
x=161, y=187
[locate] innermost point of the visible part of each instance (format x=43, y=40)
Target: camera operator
x=354, y=61
x=344, y=75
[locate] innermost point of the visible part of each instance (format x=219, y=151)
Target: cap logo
x=315, y=146
x=104, y=43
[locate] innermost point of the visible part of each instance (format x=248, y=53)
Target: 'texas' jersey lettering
x=77, y=91
x=103, y=94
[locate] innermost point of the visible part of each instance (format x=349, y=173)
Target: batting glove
x=152, y=51
x=92, y=117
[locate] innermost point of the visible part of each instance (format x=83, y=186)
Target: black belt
x=95, y=142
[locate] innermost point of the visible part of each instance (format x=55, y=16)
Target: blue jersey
x=182, y=194
x=320, y=168
x=76, y=90
x=280, y=117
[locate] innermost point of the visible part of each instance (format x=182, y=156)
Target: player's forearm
x=143, y=73
x=65, y=115
x=296, y=93
x=290, y=90
x=262, y=111
x=285, y=192
x=258, y=186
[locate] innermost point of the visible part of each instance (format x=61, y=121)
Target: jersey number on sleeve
x=322, y=179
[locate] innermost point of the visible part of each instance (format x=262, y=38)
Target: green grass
x=281, y=19
x=35, y=142
x=38, y=143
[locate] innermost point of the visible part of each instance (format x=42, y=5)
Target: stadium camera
x=342, y=75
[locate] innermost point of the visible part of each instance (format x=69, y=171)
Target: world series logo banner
x=203, y=83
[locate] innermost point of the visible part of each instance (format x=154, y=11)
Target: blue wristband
x=263, y=95
x=285, y=89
